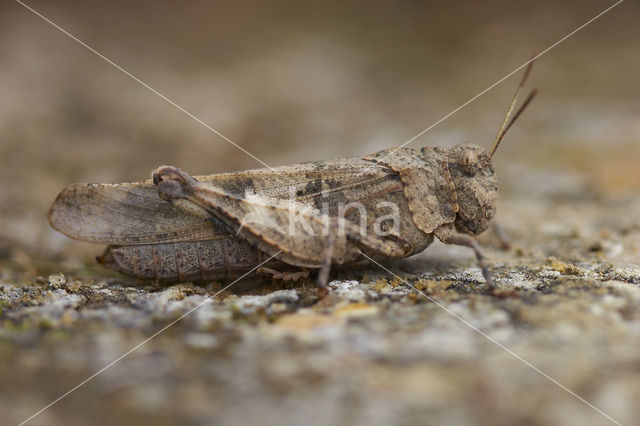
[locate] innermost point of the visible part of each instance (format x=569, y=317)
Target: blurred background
x=302, y=81
x=293, y=82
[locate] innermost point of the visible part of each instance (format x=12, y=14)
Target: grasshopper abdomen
x=183, y=261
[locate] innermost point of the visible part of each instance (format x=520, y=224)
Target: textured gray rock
x=293, y=82
x=375, y=351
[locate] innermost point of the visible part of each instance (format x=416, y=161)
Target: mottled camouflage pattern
x=194, y=236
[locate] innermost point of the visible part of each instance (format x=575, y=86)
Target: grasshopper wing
x=124, y=214
x=132, y=213
x=294, y=232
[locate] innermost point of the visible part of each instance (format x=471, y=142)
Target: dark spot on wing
x=240, y=186
x=317, y=202
x=313, y=187
x=333, y=183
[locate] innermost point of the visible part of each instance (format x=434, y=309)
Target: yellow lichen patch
x=563, y=268
x=396, y=281
x=357, y=309
x=73, y=286
x=304, y=321
x=380, y=285
x=431, y=286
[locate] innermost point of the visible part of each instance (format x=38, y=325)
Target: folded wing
x=133, y=213
x=125, y=214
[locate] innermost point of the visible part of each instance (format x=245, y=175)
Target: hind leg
x=285, y=276
x=387, y=247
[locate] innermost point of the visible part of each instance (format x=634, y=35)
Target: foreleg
x=448, y=236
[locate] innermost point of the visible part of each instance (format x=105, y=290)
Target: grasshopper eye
x=469, y=162
x=489, y=212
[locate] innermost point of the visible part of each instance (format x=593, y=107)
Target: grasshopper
x=291, y=219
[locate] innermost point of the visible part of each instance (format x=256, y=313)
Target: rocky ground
x=427, y=343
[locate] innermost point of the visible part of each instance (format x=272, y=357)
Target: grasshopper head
x=476, y=187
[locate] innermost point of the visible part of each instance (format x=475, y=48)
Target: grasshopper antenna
x=506, y=124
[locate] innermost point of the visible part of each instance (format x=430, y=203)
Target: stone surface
x=295, y=82
x=430, y=342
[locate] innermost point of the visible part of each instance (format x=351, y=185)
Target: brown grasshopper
x=290, y=219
